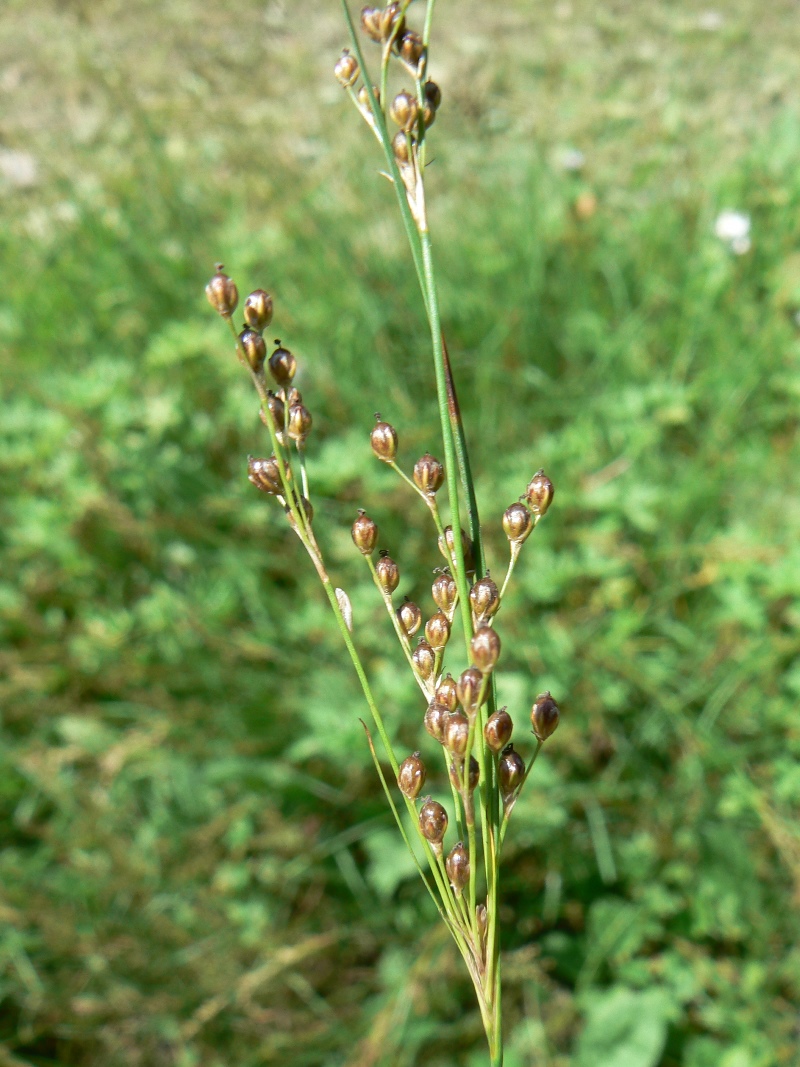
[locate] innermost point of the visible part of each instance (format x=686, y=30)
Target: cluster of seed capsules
x=452, y=715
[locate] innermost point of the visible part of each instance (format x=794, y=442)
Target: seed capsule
x=428, y=116
x=437, y=630
x=498, y=730
x=346, y=70
x=456, y=734
x=544, y=716
x=411, y=48
x=517, y=523
x=383, y=440
x=485, y=648
x=457, y=774
x=222, y=293
x=305, y=509
x=447, y=693
x=276, y=410
x=294, y=396
x=363, y=97
x=484, y=598
x=424, y=659
x=410, y=617
x=400, y=147
x=404, y=110
x=371, y=22
x=264, y=474
x=392, y=21
x=364, y=533
x=447, y=546
x=258, y=310
x=428, y=474
x=469, y=687
x=510, y=771
x=457, y=867
x=539, y=493
x=411, y=776
x=433, y=94
x=254, y=348
x=388, y=573
x=445, y=592
x=299, y=422
x=282, y=365
x=433, y=821
x=435, y=720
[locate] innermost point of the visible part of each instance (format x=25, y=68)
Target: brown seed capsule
x=435, y=720
x=544, y=716
x=424, y=659
x=363, y=97
x=485, y=648
x=539, y=493
x=437, y=630
x=432, y=820
x=447, y=693
x=305, y=509
x=294, y=396
x=282, y=365
x=388, y=573
x=383, y=440
x=428, y=116
x=447, y=547
x=411, y=48
x=346, y=70
x=456, y=734
x=411, y=776
x=258, y=310
x=457, y=867
x=404, y=110
x=484, y=597
x=433, y=94
x=400, y=147
x=254, y=348
x=498, y=730
x=222, y=293
x=264, y=474
x=410, y=617
x=276, y=410
x=517, y=523
x=457, y=774
x=299, y=422
x=445, y=591
x=428, y=474
x=392, y=21
x=469, y=687
x=364, y=533
x=371, y=22
x=510, y=771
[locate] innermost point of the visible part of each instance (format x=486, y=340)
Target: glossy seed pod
x=404, y=111
x=371, y=22
x=254, y=348
x=428, y=116
x=300, y=421
x=445, y=592
x=364, y=533
x=392, y=21
x=517, y=523
x=432, y=821
x=456, y=734
x=435, y=720
x=258, y=310
x=411, y=776
x=437, y=630
x=457, y=867
x=264, y=474
x=456, y=772
x=484, y=598
x=428, y=474
x=294, y=396
x=468, y=687
x=222, y=293
x=388, y=573
x=364, y=100
x=282, y=366
x=400, y=147
x=433, y=94
x=447, y=692
x=510, y=771
x=498, y=730
x=383, y=440
x=411, y=48
x=276, y=410
x=346, y=70
x=447, y=546
x=410, y=617
x=305, y=508
x=424, y=659
x=544, y=716
x=485, y=649
x=539, y=493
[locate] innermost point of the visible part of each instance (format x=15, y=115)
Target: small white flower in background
x=571, y=159
x=733, y=227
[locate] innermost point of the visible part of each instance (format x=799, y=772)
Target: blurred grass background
x=196, y=867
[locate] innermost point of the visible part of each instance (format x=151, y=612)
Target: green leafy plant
x=484, y=772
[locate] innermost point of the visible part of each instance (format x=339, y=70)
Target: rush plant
x=457, y=851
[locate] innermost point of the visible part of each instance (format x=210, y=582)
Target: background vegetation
x=196, y=867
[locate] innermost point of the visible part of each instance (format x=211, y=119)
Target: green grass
x=196, y=864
